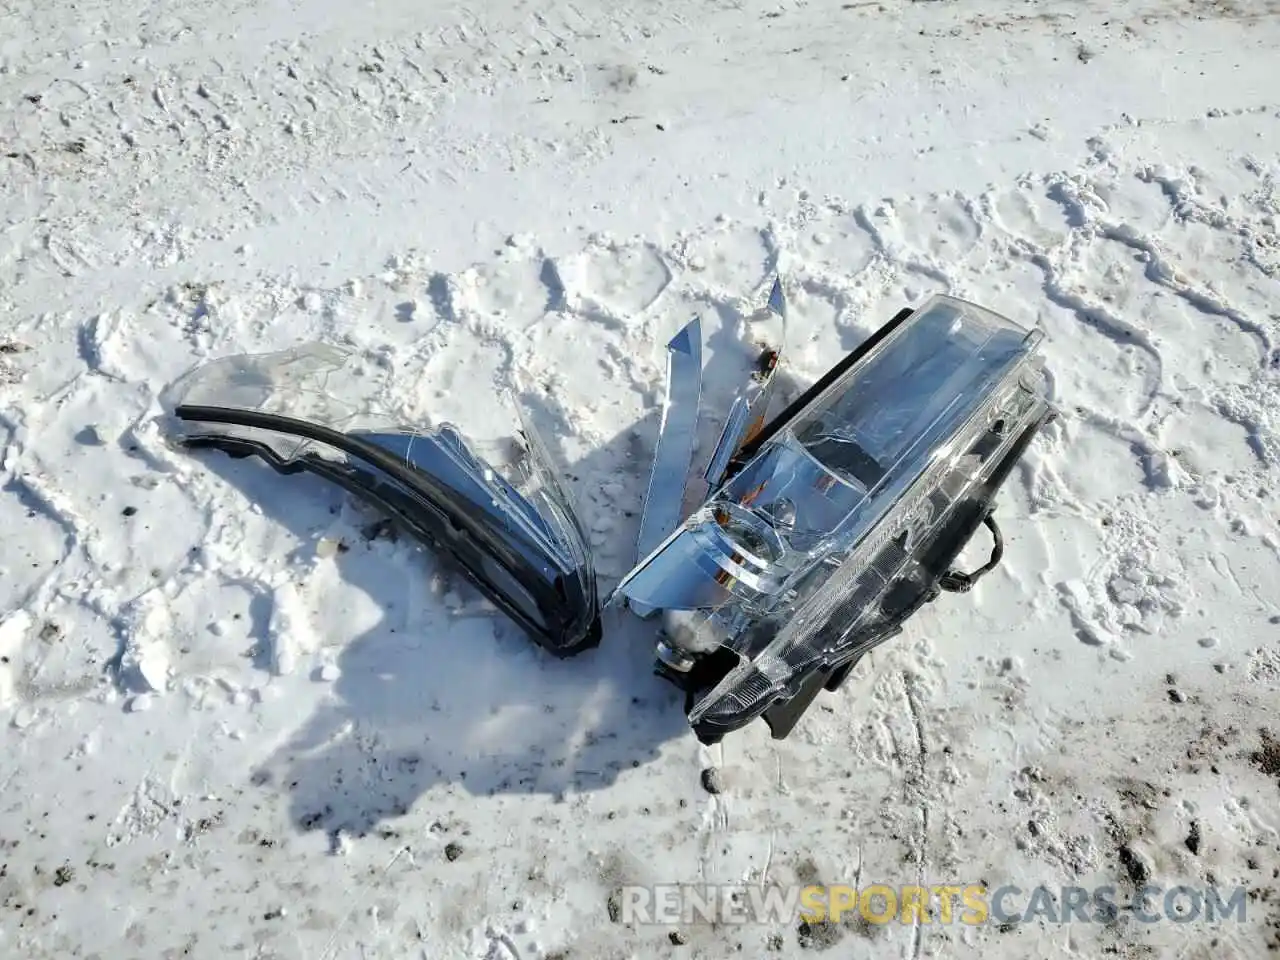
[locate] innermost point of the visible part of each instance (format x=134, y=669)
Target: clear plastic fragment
x=310, y=408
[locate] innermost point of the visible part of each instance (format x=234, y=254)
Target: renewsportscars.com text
x=970, y=904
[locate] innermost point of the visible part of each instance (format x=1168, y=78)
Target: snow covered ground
x=242, y=721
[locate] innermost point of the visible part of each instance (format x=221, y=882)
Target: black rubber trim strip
x=413, y=480
x=454, y=530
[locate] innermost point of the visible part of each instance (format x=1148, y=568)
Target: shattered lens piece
x=517, y=540
x=841, y=517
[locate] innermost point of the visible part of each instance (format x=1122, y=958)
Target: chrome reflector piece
x=676, y=436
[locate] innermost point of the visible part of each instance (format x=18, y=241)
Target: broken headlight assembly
x=840, y=518
x=825, y=528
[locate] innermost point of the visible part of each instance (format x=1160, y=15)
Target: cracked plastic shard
x=676, y=436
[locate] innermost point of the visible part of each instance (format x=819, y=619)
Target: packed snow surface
x=244, y=719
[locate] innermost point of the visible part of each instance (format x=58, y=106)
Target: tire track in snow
x=1161, y=270
x=921, y=842
x=1097, y=318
